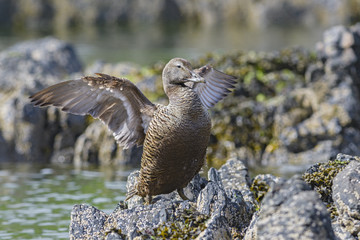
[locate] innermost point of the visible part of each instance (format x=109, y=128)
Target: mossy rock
x=244, y=118
x=259, y=188
x=261, y=185
x=188, y=224
x=320, y=177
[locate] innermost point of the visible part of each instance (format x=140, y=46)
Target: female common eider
x=175, y=137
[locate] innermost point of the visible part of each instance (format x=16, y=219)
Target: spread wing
x=117, y=102
x=217, y=85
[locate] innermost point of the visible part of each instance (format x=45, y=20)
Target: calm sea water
x=36, y=200
x=148, y=44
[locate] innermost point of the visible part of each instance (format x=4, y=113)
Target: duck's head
x=177, y=73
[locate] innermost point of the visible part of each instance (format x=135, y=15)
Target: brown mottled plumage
x=175, y=136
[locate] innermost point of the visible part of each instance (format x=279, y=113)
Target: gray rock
x=346, y=196
x=338, y=50
x=216, y=228
x=214, y=212
x=234, y=175
x=114, y=69
x=87, y=222
x=214, y=201
x=114, y=236
x=261, y=185
x=97, y=146
x=28, y=133
x=320, y=119
x=290, y=210
x=347, y=40
x=340, y=232
x=235, y=178
x=143, y=218
x=345, y=157
x=139, y=219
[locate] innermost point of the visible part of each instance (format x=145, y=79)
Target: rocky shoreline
x=290, y=107
x=226, y=207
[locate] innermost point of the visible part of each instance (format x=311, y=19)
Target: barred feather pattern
x=175, y=145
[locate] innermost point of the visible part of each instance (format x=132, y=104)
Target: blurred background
x=50, y=161
x=145, y=32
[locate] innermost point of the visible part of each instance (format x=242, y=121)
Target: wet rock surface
x=223, y=207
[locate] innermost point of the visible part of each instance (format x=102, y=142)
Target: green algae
x=259, y=187
x=188, y=224
x=320, y=177
x=245, y=118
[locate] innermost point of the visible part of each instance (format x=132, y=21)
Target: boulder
x=212, y=212
x=346, y=196
x=217, y=209
x=28, y=133
x=291, y=210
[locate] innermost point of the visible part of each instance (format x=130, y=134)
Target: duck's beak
x=195, y=78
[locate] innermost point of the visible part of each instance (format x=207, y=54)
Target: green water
x=148, y=44
x=36, y=201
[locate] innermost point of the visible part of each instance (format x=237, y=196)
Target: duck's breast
x=174, y=149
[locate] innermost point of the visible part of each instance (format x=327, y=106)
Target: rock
x=346, y=158
x=212, y=213
x=347, y=40
x=320, y=176
x=214, y=201
x=114, y=69
x=97, y=146
x=28, y=133
x=261, y=185
x=44, y=135
x=113, y=236
x=346, y=196
x=339, y=48
x=340, y=232
x=290, y=210
x=234, y=176
x=315, y=122
x=87, y=222
x=216, y=228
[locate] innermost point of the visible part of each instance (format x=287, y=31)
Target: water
x=146, y=45
x=36, y=200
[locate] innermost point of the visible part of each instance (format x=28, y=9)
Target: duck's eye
x=178, y=66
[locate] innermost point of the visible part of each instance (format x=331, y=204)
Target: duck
x=174, y=136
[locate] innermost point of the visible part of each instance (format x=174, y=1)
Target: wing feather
x=217, y=85
x=117, y=102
